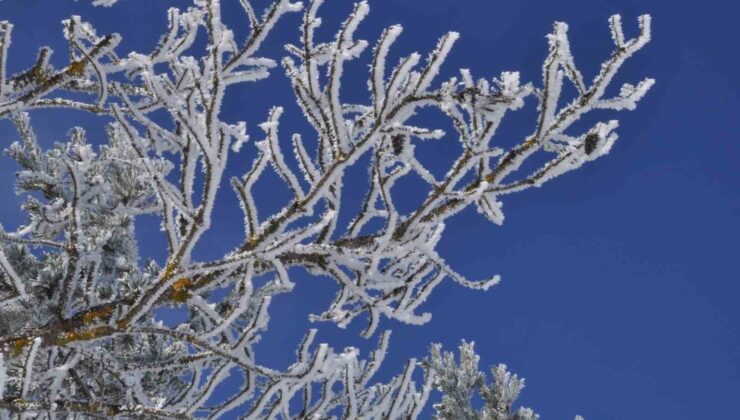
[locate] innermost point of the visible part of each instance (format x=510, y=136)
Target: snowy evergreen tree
x=78, y=336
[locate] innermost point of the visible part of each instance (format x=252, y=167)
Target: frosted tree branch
x=459, y=380
x=75, y=299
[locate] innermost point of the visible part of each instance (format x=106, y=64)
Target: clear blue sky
x=620, y=281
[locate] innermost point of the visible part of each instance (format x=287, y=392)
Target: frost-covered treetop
x=78, y=334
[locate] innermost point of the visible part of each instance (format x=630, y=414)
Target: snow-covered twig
x=88, y=304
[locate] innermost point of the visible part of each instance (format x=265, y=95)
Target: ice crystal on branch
x=79, y=335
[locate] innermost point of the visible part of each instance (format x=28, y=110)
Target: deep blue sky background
x=620, y=280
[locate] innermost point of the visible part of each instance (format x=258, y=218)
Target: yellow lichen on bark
x=92, y=316
x=20, y=344
x=77, y=68
x=83, y=335
x=180, y=289
x=39, y=74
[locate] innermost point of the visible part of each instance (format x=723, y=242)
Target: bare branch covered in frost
x=78, y=334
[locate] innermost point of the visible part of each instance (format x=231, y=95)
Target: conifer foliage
x=78, y=333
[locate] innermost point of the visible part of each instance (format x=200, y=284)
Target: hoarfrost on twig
x=78, y=330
